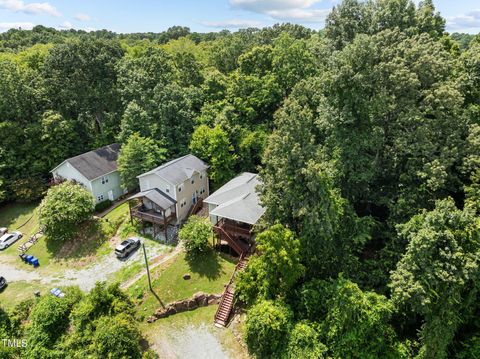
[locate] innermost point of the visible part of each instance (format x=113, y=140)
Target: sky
x=200, y=15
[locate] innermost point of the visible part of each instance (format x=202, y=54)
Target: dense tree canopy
x=366, y=135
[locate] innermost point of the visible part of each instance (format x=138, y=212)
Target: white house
x=95, y=170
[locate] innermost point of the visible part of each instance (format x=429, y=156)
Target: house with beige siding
x=170, y=192
x=96, y=170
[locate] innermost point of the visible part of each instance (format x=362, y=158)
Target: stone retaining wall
x=199, y=299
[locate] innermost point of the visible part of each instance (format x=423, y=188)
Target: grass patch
x=17, y=292
x=208, y=274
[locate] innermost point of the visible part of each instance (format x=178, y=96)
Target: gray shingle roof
x=96, y=163
x=238, y=199
x=156, y=196
x=179, y=170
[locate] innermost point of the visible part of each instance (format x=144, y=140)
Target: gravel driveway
x=86, y=277
x=190, y=342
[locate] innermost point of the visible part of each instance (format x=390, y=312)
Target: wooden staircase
x=238, y=246
x=196, y=207
x=226, y=302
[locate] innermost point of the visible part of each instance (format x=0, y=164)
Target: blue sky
x=200, y=15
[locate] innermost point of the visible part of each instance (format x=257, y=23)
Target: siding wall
x=153, y=181
x=113, y=184
x=188, y=189
x=68, y=172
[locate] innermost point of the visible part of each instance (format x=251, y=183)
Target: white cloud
x=284, y=10
x=82, y=17
x=66, y=25
x=232, y=24
x=469, y=22
x=31, y=8
x=16, y=25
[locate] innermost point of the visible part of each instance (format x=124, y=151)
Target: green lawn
x=208, y=274
x=92, y=240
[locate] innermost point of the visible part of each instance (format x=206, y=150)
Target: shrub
x=64, y=207
x=101, y=206
x=267, y=326
x=304, y=342
x=117, y=337
x=195, y=235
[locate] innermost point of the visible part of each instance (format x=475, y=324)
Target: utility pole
x=148, y=269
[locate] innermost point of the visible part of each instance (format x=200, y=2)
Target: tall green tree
x=438, y=275
x=276, y=270
x=213, y=146
x=138, y=155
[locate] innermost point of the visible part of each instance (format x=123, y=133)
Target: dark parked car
x=127, y=247
x=3, y=283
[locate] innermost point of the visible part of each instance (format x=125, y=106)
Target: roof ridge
x=95, y=150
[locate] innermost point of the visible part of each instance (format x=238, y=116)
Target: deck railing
x=149, y=216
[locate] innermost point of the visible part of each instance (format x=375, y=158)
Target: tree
x=134, y=120
x=213, y=146
x=58, y=140
x=138, y=155
x=80, y=78
x=357, y=324
x=195, y=235
x=64, y=207
x=116, y=337
x=267, y=327
x=49, y=321
x=276, y=270
x=437, y=277
x=304, y=341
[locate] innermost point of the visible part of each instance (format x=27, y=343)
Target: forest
x=366, y=135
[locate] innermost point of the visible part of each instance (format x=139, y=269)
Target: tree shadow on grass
x=206, y=264
x=90, y=236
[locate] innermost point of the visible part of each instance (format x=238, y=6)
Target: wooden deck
x=151, y=216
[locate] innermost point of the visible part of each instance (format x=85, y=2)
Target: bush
x=304, y=342
x=117, y=337
x=195, y=235
x=101, y=206
x=267, y=326
x=64, y=207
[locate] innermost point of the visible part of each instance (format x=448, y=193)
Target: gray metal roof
x=238, y=199
x=179, y=170
x=97, y=163
x=156, y=196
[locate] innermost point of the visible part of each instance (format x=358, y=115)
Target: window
x=104, y=179
x=167, y=190
x=100, y=198
x=202, y=190
x=180, y=188
x=193, y=181
x=201, y=175
x=183, y=202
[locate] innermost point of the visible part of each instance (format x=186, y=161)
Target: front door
x=194, y=198
x=110, y=195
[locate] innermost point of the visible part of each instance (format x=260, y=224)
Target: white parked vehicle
x=9, y=238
